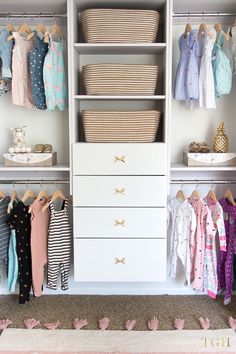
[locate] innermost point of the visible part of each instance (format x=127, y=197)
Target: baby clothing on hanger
x=59, y=246
x=206, y=77
x=12, y=257
x=21, y=83
x=211, y=279
x=19, y=220
x=5, y=55
x=183, y=226
x=232, y=40
x=225, y=262
x=221, y=68
x=204, y=232
x=186, y=85
x=54, y=76
x=36, y=62
x=4, y=231
x=39, y=241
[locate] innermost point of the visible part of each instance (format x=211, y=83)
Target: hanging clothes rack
x=35, y=181
x=202, y=181
x=203, y=14
x=11, y=15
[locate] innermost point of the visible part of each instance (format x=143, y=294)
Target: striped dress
x=59, y=246
x=4, y=230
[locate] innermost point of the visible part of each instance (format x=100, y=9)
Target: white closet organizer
x=120, y=204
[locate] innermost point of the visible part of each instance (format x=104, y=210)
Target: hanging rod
x=34, y=181
x=31, y=15
x=203, y=14
x=201, y=181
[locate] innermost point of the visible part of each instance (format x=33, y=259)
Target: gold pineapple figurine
x=221, y=141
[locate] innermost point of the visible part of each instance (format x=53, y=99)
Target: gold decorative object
x=119, y=260
x=221, y=141
x=119, y=222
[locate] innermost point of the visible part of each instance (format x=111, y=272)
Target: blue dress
x=221, y=68
x=186, y=82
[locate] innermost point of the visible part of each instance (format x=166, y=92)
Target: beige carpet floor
x=118, y=308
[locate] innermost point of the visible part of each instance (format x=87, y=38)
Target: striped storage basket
x=119, y=25
x=120, y=79
x=120, y=126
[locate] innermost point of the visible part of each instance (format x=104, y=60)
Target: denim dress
x=186, y=85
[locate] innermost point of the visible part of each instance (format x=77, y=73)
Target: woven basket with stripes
x=120, y=126
x=120, y=79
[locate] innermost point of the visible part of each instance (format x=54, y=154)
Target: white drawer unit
x=120, y=159
x=122, y=191
x=118, y=223
x=120, y=260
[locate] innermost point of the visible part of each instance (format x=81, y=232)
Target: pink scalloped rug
x=41, y=341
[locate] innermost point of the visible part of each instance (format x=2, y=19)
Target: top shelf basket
x=119, y=25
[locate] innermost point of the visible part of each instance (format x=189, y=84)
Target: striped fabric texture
x=120, y=79
x=4, y=229
x=59, y=246
x=119, y=25
x=120, y=126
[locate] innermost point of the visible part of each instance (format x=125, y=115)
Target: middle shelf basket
x=120, y=79
x=120, y=126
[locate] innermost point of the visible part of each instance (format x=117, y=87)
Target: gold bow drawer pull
x=119, y=222
x=119, y=190
x=119, y=159
x=119, y=260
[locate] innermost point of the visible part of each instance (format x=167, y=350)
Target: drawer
x=120, y=222
x=120, y=191
x=119, y=260
x=119, y=159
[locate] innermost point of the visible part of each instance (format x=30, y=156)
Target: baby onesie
x=55, y=77
x=4, y=231
x=21, y=83
x=225, y=262
x=204, y=233
x=39, y=242
x=19, y=220
x=59, y=246
x=12, y=257
x=36, y=61
x=183, y=225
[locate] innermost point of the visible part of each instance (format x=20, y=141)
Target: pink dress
x=204, y=234
x=39, y=243
x=21, y=83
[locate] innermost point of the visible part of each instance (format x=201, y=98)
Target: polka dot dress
x=36, y=62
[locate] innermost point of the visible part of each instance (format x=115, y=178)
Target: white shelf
x=56, y=168
x=181, y=167
x=119, y=48
x=123, y=98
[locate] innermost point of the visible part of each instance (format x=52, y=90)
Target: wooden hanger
x=40, y=28
x=42, y=194
x=195, y=194
x=56, y=29
x=2, y=194
x=218, y=28
x=9, y=26
x=203, y=26
x=188, y=27
x=211, y=194
x=28, y=194
x=57, y=194
x=229, y=195
x=14, y=197
x=180, y=196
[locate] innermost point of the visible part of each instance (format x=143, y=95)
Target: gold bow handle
x=119, y=190
x=119, y=159
x=119, y=260
x=119, y=222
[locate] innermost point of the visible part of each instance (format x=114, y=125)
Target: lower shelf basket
x=120, y=126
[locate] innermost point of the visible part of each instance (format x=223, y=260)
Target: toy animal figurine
x=19, y=145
